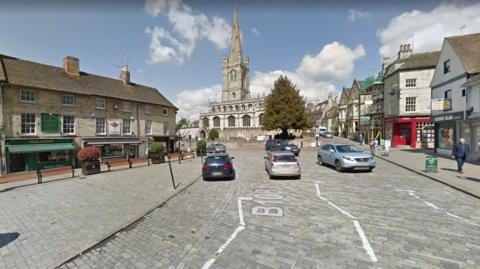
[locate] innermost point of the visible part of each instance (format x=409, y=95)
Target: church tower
x=235, y=68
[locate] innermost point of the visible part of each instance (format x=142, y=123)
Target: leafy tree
x=213, y=134
x=181, y=123
x=285, y=108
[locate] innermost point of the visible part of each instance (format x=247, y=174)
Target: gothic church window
x=246, y=121
x=216, y=122
x=205, y=122
x=260, y=119
x=231, y=121
x=243, y=107
x=234, y=94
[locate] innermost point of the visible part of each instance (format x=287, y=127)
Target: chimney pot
x=71, y=65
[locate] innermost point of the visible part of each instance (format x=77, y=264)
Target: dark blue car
x=218, y=166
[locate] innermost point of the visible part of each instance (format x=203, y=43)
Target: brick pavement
x=55, y=221
x=410, y=222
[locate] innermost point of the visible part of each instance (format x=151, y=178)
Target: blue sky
x=321, y=46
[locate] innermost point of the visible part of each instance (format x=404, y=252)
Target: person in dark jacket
x=460, y=153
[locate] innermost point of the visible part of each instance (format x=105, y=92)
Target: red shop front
x=403, y=130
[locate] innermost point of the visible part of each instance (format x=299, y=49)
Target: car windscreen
x=347, y=149
x=284, y=158
x=217, y=159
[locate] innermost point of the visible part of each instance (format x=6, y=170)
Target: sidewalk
x=414, y=160
x=42, y=225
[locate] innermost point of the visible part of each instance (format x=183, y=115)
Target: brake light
x=205, y=166
x=227, y=166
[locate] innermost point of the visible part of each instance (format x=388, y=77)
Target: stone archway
x=203, y=134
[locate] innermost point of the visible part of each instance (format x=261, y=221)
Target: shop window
x=53, y=156
x=68, y=124
x=148, y=127
x=28, y=96
x=100, y=103
x=411, y=83
x=446, y=137
x=410, y=104
x=425, y=132
x=126, y=126
x=112, y=151
x=126, y=107
x=68, y=100
x=100, y=126
x=28, y=123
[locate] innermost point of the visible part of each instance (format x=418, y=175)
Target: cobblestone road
x=390, y=218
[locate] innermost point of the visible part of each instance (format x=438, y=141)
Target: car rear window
x=284, y=158
x=216, y=159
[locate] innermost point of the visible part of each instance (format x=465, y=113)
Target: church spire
x=236, y=49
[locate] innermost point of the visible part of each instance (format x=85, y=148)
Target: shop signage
x=36, y=141
x=441, y=104
x=454, y=116
x=50, y=123
x=114, y=127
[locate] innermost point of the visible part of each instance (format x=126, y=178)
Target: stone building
x=238, y=115
x=47, y=113
x=407, y=96
x=455, y=94
x=371, y=107
x=342, y=112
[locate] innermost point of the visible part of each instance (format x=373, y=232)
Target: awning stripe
x=39, y=147
x=110, y=142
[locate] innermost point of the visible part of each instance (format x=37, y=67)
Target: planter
x=157, y=158
x=91, y=167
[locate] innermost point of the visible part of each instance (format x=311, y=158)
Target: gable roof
x=31, y=74
x=344, y=96
x=467, y=49
x=424, y=60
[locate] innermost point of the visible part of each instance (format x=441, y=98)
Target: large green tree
x=213, y=134
x=181, y=123
x=285, y=108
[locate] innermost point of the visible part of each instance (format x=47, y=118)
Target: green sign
x=431, y=163
x=50, y=123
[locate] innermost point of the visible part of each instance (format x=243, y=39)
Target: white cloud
x=256, y=32
x=354, y=15
x=188, y=27
x=193, y=102
x=427, y=29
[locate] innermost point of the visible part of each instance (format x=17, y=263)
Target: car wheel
x=338, y=166
x=320, y=161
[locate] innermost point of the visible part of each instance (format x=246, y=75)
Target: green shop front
x=33, y=154
x=446, y=132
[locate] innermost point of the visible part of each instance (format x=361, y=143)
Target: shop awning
x=39, y=147
x=113, y=142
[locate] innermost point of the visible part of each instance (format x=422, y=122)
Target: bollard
x=171, y=173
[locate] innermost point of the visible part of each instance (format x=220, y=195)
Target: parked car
x=218, y=166
x=275, y=145
x=292, y=148
x=282, y=163
x=327, y=134
x=216, y=148
x=345, y=156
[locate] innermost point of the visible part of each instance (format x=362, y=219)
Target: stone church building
x=237, y=115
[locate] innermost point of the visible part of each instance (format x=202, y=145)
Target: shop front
x=409, y=131
x=115, y=147
x=446, y=133
x=33, y=154
x=167, y=141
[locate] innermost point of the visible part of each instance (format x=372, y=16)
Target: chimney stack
x=125, y=74
x=386, y=62
x=405, y=51
x=71, y=65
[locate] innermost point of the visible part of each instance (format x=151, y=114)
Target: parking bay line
x=240, y=228
x=365, y=243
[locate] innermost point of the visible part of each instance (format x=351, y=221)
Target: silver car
x=345, y=157
x=282, y=164
x=216, y=148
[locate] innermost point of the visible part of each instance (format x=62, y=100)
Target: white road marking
x=412, y=193
x=365, y=243
x=240, y=228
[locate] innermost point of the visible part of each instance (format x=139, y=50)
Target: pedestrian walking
x=460, y=153
x=373, y=145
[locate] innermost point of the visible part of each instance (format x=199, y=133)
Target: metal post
x=171, y=173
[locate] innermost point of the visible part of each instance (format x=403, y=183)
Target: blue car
x=218, y=166
x=345, y=157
